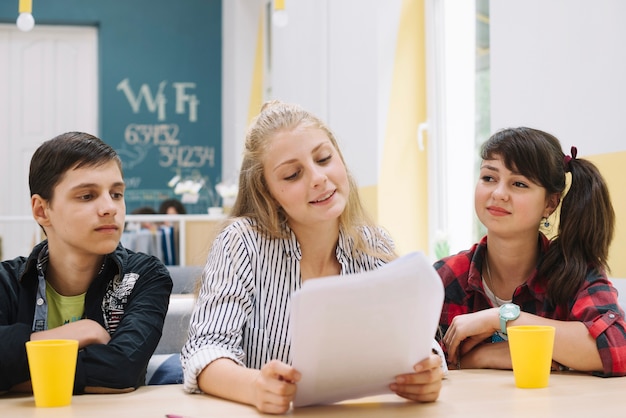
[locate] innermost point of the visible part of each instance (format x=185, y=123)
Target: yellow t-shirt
x=63, y=309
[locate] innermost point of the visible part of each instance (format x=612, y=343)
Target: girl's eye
x=117, y=195
x=487, y=179
x=520, y=184
x=324, y=160
x=292, y=176
x=85, y=197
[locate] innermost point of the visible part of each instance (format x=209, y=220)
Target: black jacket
x=129, y=298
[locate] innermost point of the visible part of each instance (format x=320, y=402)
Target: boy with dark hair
x=80, y=283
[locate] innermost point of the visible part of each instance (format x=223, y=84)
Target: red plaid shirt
x=595, y=304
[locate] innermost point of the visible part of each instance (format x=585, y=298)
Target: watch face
x=509, y=311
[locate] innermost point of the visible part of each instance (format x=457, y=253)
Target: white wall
x=352, y=86
x=560, y=66
x=240, y=20
x=299, y=57
x=327, y=59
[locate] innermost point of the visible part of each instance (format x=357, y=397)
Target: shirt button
x=611, y=316
x=40, y=301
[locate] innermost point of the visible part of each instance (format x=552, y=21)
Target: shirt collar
x=536, y=284
x=343, y=252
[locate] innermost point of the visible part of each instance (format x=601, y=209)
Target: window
x=459, y=118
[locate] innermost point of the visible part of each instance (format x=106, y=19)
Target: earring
x=546, y=223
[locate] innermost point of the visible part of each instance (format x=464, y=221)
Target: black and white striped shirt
x=242, y=311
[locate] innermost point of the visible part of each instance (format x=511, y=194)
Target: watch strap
x=503, y=322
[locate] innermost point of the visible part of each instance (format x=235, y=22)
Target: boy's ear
x=39, y=207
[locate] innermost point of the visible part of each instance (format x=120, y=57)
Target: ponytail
x=586, y=229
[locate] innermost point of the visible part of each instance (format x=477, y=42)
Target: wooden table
x=466, y=394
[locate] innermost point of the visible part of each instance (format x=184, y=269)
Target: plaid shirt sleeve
x=453, y=272
x=596, y=306
x=459, y=274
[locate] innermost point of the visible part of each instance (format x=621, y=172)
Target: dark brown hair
x=172, y=203
x=67, y=151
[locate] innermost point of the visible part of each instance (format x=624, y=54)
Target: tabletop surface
x=465, y=393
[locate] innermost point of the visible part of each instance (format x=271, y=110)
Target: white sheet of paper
x=352, y=334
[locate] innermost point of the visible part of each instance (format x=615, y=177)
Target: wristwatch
x=508, y=312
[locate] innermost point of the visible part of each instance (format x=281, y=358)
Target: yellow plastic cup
x=531, y=353
x=52, y=366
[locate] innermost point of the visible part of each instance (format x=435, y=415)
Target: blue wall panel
x=160, y=88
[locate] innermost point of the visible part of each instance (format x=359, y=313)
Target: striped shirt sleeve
x=224, y=303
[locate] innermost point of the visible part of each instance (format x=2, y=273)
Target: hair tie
x=567, y=159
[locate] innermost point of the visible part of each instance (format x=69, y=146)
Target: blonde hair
x=254, y=199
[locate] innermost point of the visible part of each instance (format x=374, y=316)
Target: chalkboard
x=160, y=90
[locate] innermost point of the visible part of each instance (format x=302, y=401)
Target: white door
x=48, y=85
